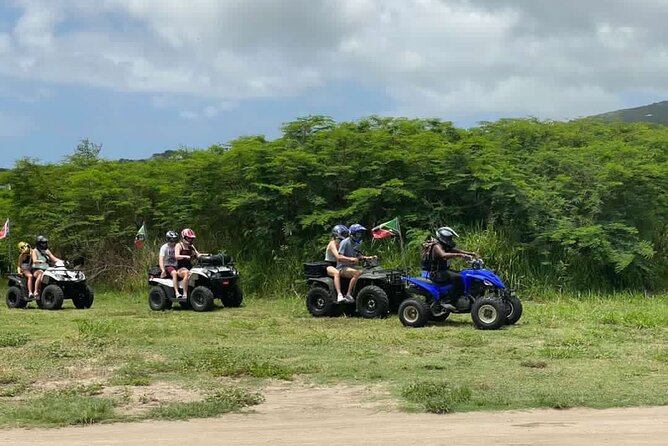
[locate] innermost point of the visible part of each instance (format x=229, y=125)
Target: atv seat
x=423, y=280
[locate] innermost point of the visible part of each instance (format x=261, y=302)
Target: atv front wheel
x=513, y=310
x=84, y=299
x=488, y=313
x=233, y=297
x=372, y=302
x=414, y=313
x=319, y=302
x=15, y=298
x=52, y=297
x=201, y=298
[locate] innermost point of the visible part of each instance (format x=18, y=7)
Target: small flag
x=140, y=236
x=387, y=229
x=4, y=232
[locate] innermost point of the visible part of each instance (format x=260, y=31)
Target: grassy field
x=120, y=361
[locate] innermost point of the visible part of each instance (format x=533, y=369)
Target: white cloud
x=208, y=111
x=444, y=58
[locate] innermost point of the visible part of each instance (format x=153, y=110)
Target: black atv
x=214, y=276
x=59, y=282
x=378, y=290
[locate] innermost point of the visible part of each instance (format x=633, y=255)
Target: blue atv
x=490, y=303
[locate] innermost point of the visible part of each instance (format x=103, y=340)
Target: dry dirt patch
x=298, y=414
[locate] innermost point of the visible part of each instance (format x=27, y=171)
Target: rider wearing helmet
x=42, y=258
x=24, y=265
x=167, y=260
x=332, y=256
x=436, y=255
x=185, y=252
x=349, y=255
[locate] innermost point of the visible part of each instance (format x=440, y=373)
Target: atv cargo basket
x=316, y=269
x=214, y=260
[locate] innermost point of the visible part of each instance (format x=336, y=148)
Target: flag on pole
x=140, y=236
x=387, y=229
x=4, y=232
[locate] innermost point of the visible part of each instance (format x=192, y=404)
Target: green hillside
x=656, y=113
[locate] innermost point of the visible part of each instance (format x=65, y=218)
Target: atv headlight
x=487, y=283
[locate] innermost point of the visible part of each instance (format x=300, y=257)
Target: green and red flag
x=4, y=232
x=387, y=229
x=140, y=236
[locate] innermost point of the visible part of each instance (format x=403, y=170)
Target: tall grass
x=279, y=272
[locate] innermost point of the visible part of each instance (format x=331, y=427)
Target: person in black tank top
x=185, y=252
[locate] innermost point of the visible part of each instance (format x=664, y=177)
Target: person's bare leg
x=38, y=283
x=28, y=276
x=351, y=285
x=175, y=282
x=334, y=273
x=185, y=275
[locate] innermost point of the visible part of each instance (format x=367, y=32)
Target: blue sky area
x=144, y=77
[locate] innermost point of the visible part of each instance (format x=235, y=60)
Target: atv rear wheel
x=513, y=310
x=414, y=313
x=52, y=297
x=201, y=298
x=15, y=298
x=488, y=313
x=319, y=302
x=233, y=297
x=372, y=302
x=157, y=299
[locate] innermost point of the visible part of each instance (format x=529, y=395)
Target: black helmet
x=172, y=236
x=41, y=242
x=445, y=236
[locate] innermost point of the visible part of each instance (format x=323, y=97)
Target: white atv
x=213, y=277
x=58, y=283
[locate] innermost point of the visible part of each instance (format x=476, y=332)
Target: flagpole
x=9, y=248
x=401, y=245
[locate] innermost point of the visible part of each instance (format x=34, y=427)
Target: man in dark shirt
x=436, y=257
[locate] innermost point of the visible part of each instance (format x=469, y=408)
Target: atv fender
x=323, y=282
x=430, y=287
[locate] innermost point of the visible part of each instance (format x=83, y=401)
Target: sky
x=143, y=76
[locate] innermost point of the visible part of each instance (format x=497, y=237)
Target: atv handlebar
x=368, y=262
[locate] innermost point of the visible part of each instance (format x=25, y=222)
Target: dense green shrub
x=578, y=205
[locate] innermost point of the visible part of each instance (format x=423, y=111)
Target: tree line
x=579, y=205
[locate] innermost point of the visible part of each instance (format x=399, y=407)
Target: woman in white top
x=339, y=232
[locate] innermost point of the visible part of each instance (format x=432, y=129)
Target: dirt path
x=343, y=415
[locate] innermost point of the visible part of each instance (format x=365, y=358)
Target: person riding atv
x=436, y=255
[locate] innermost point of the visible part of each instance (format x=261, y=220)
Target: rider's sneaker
x=350, y=299
x=340, y=299
x=179, y=296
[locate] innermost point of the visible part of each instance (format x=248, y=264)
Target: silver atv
x=59, y=282
x=213, y=277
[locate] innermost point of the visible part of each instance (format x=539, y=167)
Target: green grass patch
x=9, y=339
x=223, y=401
x=224, y=361
x=566, y=351
x=60, y=409
x=437, y=396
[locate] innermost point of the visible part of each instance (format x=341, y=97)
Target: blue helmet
x=356, y=232
x=340, y=232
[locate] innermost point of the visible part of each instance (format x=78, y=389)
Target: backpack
x=427, y=262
